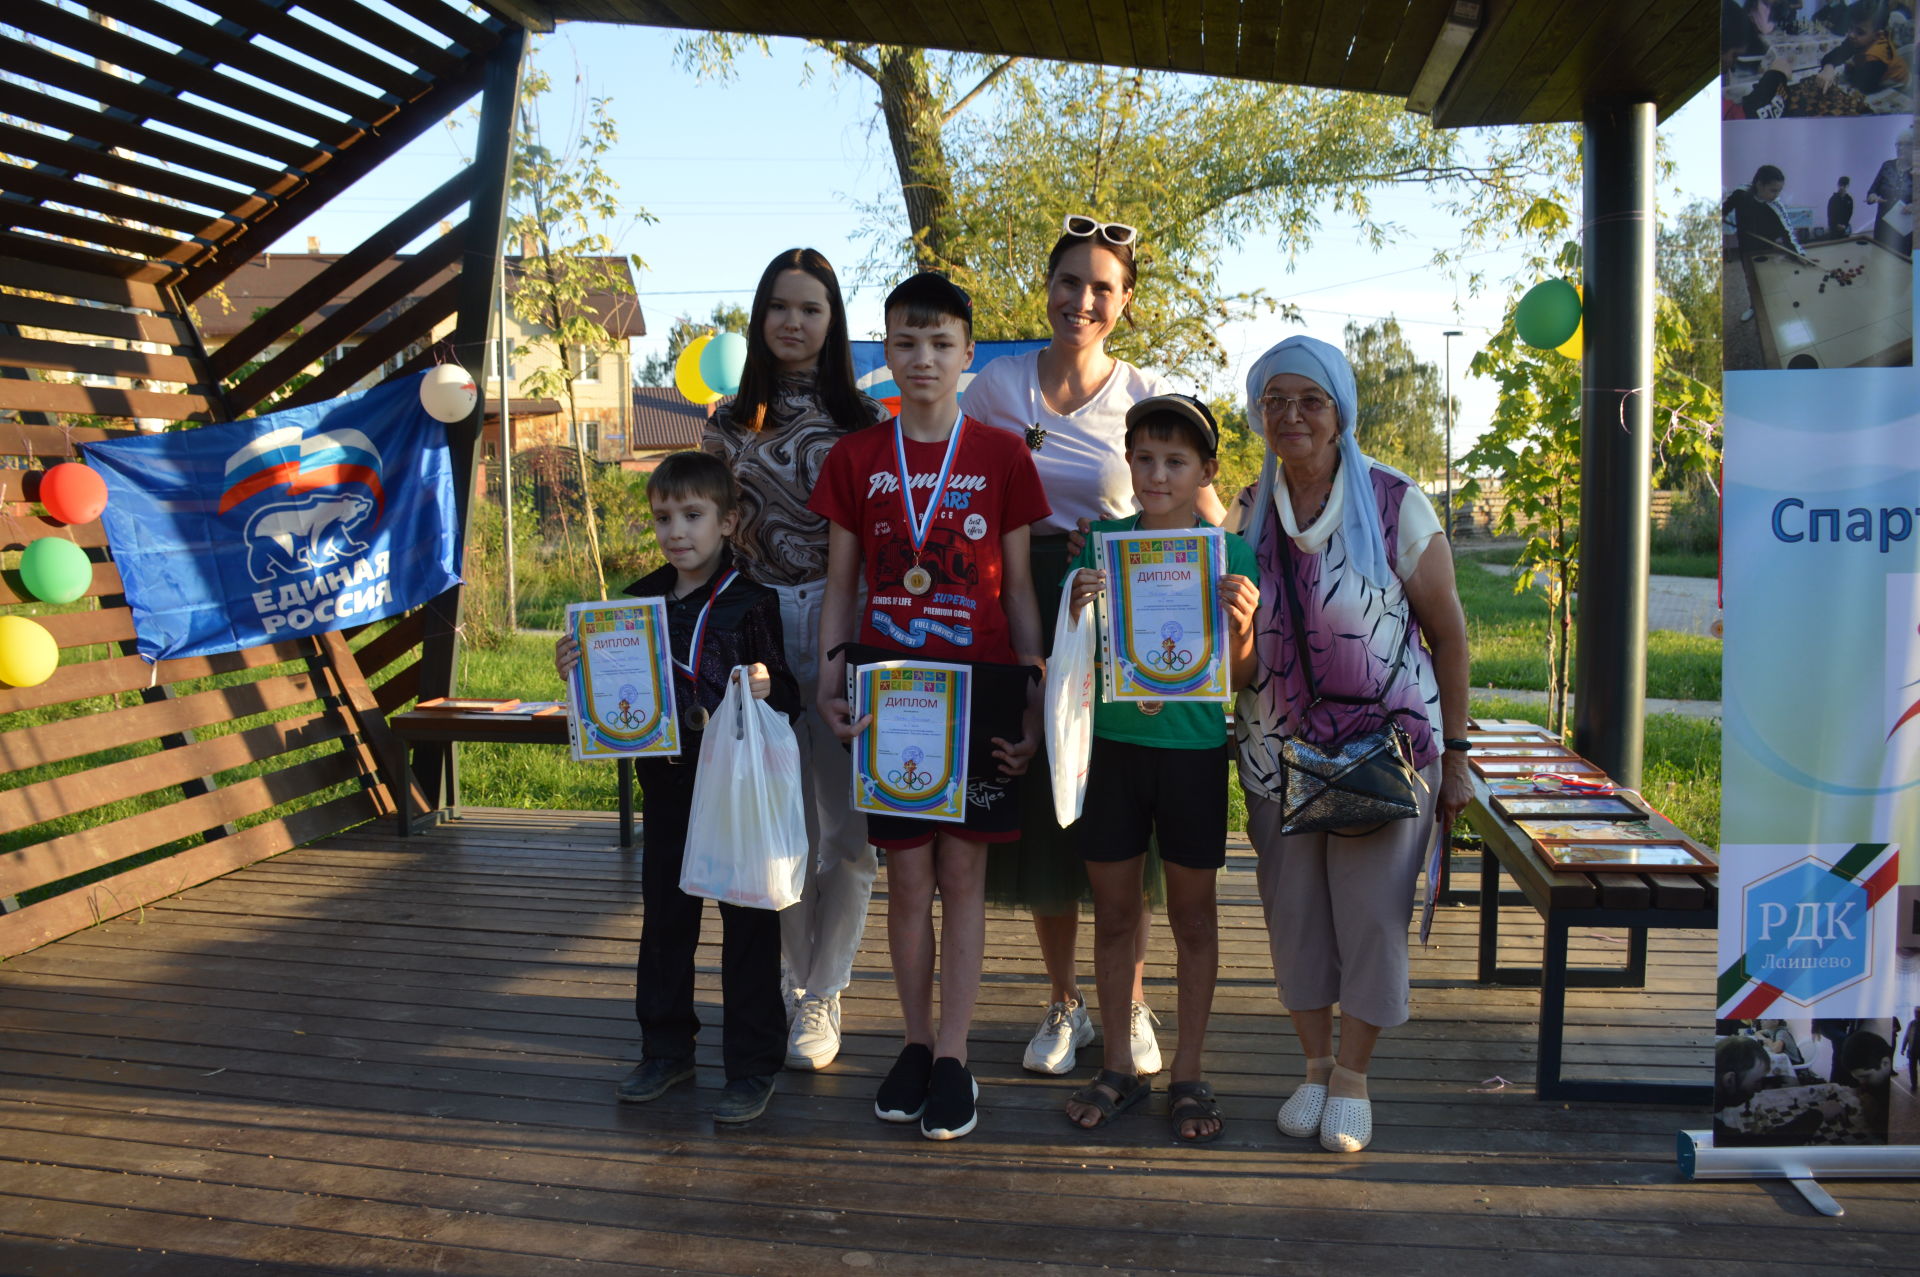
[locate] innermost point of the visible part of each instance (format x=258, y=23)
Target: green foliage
x=1687, y=264
x=990, y=154
x=1403, y=411
x=1242, y=450
x=558, y=201
x=1245, y=161
x=1507, y=636
x=727, y=318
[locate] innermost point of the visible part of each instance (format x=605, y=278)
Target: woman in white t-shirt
x=1070, y=401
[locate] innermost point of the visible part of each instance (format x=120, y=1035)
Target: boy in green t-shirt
x=1161, y=768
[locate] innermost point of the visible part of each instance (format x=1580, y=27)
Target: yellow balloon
x=1573, y=346
x=28, y=653
x=686, y=372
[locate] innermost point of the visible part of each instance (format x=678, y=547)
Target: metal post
x=1616, y=453
x=1447, y=461
x=436, y=764
x=506, y=462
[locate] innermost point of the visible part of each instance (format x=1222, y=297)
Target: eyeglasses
x=1118, y=234
x=1309, y=405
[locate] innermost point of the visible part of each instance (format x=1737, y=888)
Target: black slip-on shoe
x=743, y=1099
x=903, y=1095
x=950, y=1111
x=652, y=1079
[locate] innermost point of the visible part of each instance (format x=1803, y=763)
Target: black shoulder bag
x=1351, y=789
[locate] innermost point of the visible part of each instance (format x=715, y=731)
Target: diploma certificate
x=912, y=759
x=620, y=698
x=1166, y=624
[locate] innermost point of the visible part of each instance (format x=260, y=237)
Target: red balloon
x=73, y=493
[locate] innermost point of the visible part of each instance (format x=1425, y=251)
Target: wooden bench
x=1638, y=902
x=434, y=722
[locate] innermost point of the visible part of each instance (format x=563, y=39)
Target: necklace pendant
x=917, y=580
x=1036, y=437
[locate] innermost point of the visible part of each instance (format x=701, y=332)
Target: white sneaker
x=815, y=1039
x=1066, y=1029
x=1146, y=1047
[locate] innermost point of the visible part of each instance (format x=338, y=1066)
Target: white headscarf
x=1327, y=368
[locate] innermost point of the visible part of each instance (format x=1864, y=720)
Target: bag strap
x=1300, y=638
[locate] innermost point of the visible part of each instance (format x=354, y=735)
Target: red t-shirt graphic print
x=991, y=489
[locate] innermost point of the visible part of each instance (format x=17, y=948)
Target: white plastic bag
x=1069, y=706
x=747, y=831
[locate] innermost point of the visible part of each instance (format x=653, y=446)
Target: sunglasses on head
x=1118, y=234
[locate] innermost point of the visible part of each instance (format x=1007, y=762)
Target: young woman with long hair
x=796, y=398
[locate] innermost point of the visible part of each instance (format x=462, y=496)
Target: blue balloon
x=722, y=362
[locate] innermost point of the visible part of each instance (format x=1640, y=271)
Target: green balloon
x=1548, y=314
x=55, y=570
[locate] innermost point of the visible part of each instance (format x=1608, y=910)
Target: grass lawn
x=1682, y=772
x=1507, y=634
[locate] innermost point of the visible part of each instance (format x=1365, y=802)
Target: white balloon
x=447, y=393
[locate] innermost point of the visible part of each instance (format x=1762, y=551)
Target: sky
x=736, y=172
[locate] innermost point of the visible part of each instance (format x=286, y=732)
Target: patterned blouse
x=1365, y=641
x=779, y=540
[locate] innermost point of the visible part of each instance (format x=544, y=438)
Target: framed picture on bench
x=1518, y=768
x=1620, y=806
x=1671, y=854
x=1584, y=829
x=1505, y=750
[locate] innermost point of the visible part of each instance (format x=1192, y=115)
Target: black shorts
x=998, y=703
x=1134, y=791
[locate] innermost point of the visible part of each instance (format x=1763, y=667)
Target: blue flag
x=280, y=526
x=870, y=371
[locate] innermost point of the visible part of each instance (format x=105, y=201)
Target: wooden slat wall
x=121, y=781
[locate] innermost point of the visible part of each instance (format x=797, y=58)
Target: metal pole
x=1447, y=461
x=1616, y=452
x=506, y=456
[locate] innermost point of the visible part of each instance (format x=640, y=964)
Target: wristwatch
x=1455, y=742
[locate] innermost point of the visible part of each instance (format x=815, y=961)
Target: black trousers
x=754, y=1018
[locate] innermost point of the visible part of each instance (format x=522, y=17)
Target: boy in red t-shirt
x=935, y=508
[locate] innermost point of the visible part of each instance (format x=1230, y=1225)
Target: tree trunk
x=914, y=122
x=586, y=495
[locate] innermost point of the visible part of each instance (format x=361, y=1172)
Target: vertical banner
x=1819, y=982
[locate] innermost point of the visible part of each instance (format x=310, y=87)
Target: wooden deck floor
x=371, y=1056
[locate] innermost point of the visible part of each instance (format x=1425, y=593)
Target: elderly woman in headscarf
x=1373, y=580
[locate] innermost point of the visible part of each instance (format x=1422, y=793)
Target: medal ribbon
x=919, y=527
x=692, y=668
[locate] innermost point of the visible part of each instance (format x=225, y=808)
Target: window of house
x=588, y=362
x=592, y=429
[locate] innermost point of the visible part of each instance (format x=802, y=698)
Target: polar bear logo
x=295, y=538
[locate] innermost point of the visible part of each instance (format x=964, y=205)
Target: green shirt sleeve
x=1241, y=560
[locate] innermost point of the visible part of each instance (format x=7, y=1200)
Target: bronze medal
x=917, y=580
x=1150, y=708
x=697, y=719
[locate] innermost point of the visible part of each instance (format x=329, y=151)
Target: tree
x=1402, y=401
x=727, y=318
x=986, y=171
x=919, y=97
x=1533, y=445
x=1249, y=160
x=1688, y=262
x=559, y=200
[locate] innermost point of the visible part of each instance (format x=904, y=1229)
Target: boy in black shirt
x=716, y=619
x=1840, y=210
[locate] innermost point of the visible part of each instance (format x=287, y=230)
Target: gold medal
x=917, y=580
